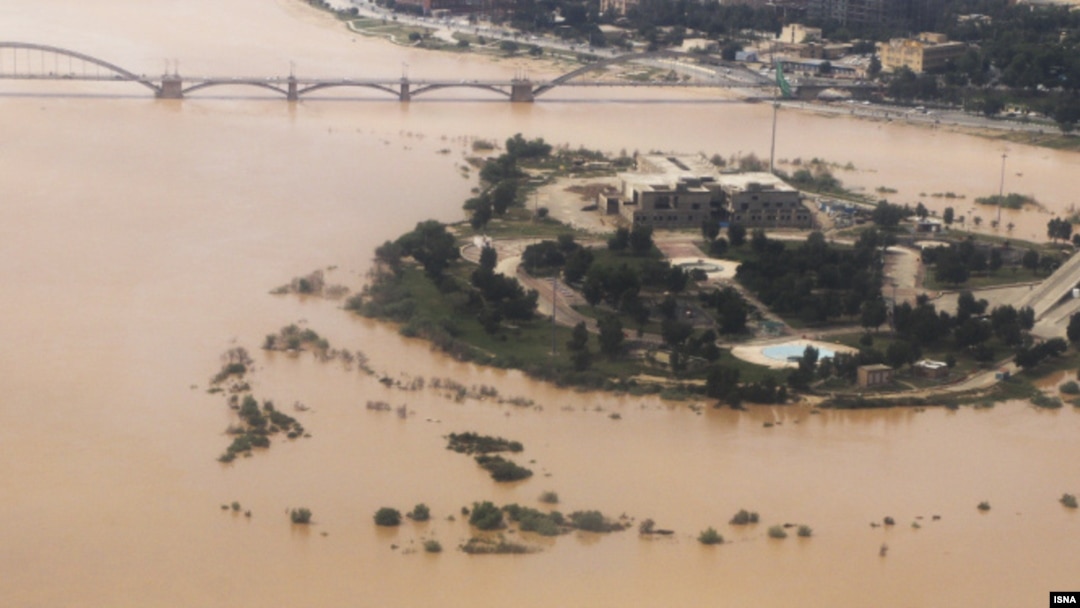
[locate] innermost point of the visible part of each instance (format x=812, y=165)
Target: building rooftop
x=743, y=181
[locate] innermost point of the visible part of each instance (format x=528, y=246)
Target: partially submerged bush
x=420, y=513
x=300, y=516
x=744, y=517
x=432, y=546
x=502, y=469
x=533, y=520
x=549, y=498
x=474, y=443
x=1046, y=402
x=1070, y=388
x=486, y=516
x=593, y=521
x=805, y=532
x=984, y=506
x=710, y=536
x=387, y=517
x=487, y=546
x=1069, y=500
x=777, y=532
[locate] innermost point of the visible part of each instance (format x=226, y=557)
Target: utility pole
x=1001, y=188
x=772, y=148
x=554, y=286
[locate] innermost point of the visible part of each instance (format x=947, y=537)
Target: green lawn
x=1004, y=276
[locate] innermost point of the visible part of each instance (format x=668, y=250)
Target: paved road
x=1051, y=291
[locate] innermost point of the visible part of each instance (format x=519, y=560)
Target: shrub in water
x=1069, y=500
x=805, y=531
x=550, y=498
x=502, y=469
x=387, y=517
x=420, y=513
x=777, y=532
x=1070, y=388
x=432, y=546
x=984, y=506
x=486, y=516
x=710, y=536
x=590, y=521
x=744, y=517
x=300, y=516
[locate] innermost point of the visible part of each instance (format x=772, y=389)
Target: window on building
x=765, y=205
x=745, y=206
x=695, y=206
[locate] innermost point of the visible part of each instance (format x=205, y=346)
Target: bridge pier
x=292, y=95
x=172, y=87
x=521, y=91
x=404, y=95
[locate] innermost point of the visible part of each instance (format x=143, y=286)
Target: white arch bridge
x=30, y=61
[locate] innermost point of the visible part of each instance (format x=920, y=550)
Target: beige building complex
x=685, y=191
x=927, y=52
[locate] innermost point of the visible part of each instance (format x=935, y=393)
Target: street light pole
x=1001, y=188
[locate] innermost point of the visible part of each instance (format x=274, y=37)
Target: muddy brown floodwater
x=139, y=239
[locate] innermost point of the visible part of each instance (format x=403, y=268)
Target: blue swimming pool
x=793, y=352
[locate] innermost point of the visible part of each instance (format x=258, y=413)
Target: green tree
x=488, y=258
x=611, y=336
x=503, y=196
x=1073, y=330
x=736, y=235
x=873, y=313
x=577, y=265
x=431, y=245
x=620, y=241
x=579, y=338
x=710, y=229
x=641, y=241
x=675, y=333
x=1030, y=260
x=948, y=216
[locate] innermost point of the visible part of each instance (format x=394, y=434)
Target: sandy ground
x=566, y=206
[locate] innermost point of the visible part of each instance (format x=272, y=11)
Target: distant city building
x=797, y=33
x=915, y=14
x=617, y=7
x=818, y=67
x=930, y=51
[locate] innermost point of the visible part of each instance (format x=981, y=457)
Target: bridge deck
x=1054, y=288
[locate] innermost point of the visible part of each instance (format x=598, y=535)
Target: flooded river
x=139, y=240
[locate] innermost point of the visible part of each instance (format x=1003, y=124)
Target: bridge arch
x=466, y=85
x=112, y=67
x=329, y=85
x=223, y=83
